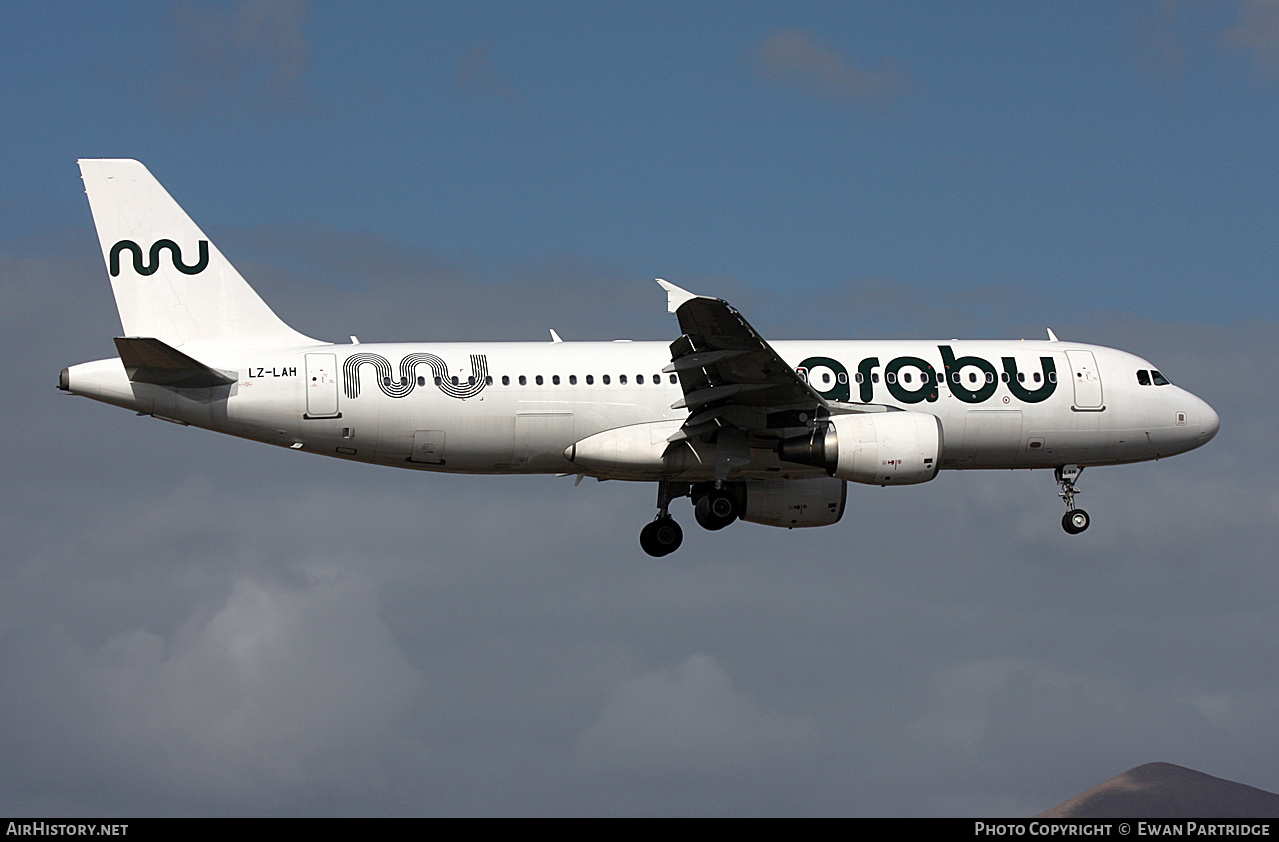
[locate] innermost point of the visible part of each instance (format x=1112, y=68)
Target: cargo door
x=428, y=447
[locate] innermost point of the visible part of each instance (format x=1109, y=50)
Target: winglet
x=1052, y=337
x=674, y=295
x=555, y=337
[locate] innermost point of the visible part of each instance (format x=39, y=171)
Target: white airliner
x=763, y=432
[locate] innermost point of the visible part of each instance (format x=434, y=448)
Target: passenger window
x=605, y=379
x=572, y=380
x=874, y=377
x=906, y=377
x=488, y=381
x=825, y=378
x=891, y=377
x=590, y=379
x=454, y=381
x=421, y=381
x=506, y=379
x=1143, y=377
x=1159, y=379
x=639, y=379
x=555, y=379
x=523, y=380
x=622, y=379
x=538, y=380
x=439, y=381
x=674, y=379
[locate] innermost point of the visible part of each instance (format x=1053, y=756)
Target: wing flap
x=720, y=358
x=738, y=390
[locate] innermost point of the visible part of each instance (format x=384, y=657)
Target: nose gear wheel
x=1075, y=520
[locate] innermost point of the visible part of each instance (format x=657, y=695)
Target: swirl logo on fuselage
x=175, y=251
x=454, y=387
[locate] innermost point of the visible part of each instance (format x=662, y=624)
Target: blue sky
x=1114, y=153
x=427, y=171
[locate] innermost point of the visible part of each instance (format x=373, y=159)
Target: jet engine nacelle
x=882, y=448
x=795, y=503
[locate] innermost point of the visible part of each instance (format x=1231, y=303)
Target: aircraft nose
x=1209, y=423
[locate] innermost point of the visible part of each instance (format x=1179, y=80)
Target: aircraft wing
x=732, y=378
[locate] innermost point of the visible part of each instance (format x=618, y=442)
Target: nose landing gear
x=1075, y=520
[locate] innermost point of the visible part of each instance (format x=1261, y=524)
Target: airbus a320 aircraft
x=769, y=433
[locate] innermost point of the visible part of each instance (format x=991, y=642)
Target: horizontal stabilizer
x=148, y=360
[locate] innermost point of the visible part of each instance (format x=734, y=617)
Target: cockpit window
x=1160, y=380
x=1143, y=377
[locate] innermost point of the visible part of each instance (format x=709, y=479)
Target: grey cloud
x=1256, y=34
x=192, y=623
x=390, y=291
x=689, y=719
x=251, y=55
x=478, y=77
x=796, y=58
x=275, y=697
x=1160, y=47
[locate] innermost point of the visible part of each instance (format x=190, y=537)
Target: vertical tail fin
x=169, y=281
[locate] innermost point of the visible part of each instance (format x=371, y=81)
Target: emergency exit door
x=321, y=386
x=1087, y=380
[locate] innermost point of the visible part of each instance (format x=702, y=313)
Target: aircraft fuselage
x=515, y=407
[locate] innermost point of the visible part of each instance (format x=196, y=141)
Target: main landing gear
x=714, y=505
x=1075, y=520
x=663, y=536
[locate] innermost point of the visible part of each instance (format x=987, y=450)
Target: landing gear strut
x=663, y=536
x=1075, y=520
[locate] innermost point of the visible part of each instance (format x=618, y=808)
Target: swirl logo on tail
x=175, y=251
